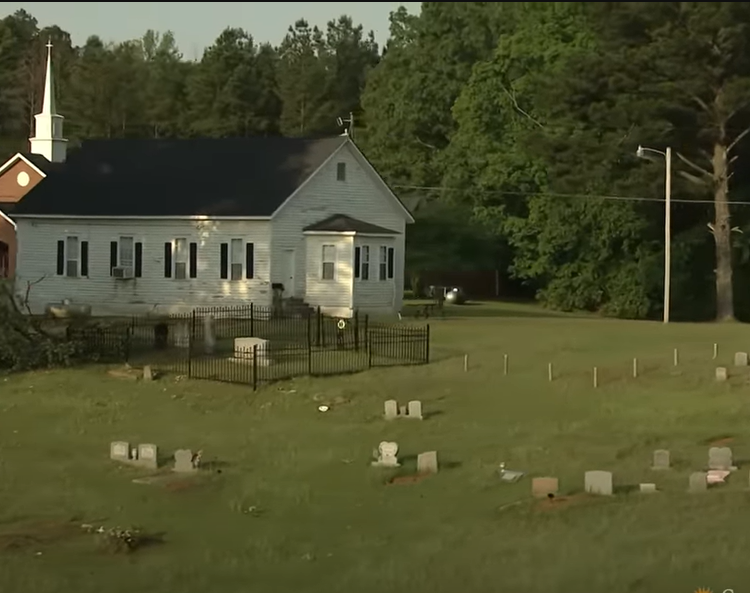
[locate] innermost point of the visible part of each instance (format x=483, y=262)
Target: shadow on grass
x=625, y=488
x=489, y=309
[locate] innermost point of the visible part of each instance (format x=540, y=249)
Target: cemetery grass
x=297, y=507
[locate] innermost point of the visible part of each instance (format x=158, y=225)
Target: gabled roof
x=36, y=161
x=340, y=223
x=193, y=177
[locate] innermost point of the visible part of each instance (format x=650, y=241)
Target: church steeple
x=48, y=138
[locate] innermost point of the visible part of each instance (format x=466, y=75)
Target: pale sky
x=197, y=24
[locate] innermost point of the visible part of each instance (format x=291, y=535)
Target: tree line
x=513, y=125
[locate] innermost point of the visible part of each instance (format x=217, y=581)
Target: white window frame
x=120, y=252
x=69, y=259
x=180, y=258
x=383, y=263
x=240, y=256
x=364, y=262
x=324, y=262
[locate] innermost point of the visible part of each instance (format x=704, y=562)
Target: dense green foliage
x=515, y=124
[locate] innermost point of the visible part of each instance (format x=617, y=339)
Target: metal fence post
x=369, y=352
x=309, y=358
x=427, y=345
x=252, y=320
x=190, y=351
x=321, y=340
x=255, y=368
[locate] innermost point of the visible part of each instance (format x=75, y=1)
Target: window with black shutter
x=357, y=260
x=168, y=259
x=224, y=263
x=61, y=258
x=138, y=265
x=84, y=258
x=391, y=262
x=249, y=260
x=193, y=263
x=112, y=256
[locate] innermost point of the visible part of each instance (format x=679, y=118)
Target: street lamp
x=667, y=154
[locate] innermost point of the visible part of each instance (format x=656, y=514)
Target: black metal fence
x=254, y=345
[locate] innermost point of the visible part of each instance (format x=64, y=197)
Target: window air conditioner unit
x=123, y=272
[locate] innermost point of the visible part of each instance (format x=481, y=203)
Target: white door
x=287, y=267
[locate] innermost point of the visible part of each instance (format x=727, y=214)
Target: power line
x=559, y=195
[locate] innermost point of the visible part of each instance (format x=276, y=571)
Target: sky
x=197, y=24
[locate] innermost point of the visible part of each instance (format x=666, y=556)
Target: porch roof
x=341, y=223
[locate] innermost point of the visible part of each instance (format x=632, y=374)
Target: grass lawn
x=322, y=520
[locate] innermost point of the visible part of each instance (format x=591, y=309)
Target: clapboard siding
x=334, y=297
x=152, y=292
x=360, y=196
x=374, y=295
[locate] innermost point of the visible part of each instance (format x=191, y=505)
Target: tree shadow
x=432, y=414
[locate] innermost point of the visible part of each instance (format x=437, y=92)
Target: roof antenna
x=347, y=124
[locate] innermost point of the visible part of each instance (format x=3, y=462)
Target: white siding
x=334, y=297
x=37, y=241
x=359, y=196
x=375, y=296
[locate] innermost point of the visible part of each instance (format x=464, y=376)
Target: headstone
x=209, y=335
x=391, y=409
x=181, y=335
x=599, y=482
x=717, y=476
x=148, y=455
x=720, y=458
x=415, y=409
x=698, y=482
x=119, y=451
x=648, y=488
x=740, y=359
x=244, y=348
x=721, y=374
x=543, y=487
x=661, y=459
x=427, y=463
x=402, y=410
x=183, y=461
x=386, y=455
x=148, y=374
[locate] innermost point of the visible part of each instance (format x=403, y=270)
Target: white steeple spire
x=48, y=139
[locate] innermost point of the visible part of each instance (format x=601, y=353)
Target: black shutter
x=168, y=260
x=224, y=267
x=249, y=260
x=84, y=259
x=357, y=259
x=193, y=265
x=61, y=258
x=390, y=262
x=112, y=256
x=138, y=263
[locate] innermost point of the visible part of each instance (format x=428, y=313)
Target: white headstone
x=391, y=409
x=387, y=454
x=415, y=409
x=244, y=347
x=148, y=455
x=119, y=450
x=740, y=359
x=427, y=463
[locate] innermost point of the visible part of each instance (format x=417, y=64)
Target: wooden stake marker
x=716, y=351
x=635, y=368
x=676, y=357
x=505, y=364
x=596, y=377
x=549, y=371
x=466, y=363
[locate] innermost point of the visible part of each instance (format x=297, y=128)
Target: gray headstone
x=209, y=336
x=720, y=458
x=427, y=463
x=391, y=409
x=119, y=451
x=543, y=487
x=661, y=459
x=183, y=461
x=698, y=482
x=148, y=374
x=402, y=410
x=415, y=409
x=648, y=488
x=721, y=374
x=387, y=455
x=148, y=455
x=740, y=359
x=599, y=482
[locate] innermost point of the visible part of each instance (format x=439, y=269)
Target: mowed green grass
x=325, y=521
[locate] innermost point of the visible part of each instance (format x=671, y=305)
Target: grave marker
x=543, y=487
x=386, y=455
x=740, y=359
x=184, y=461
x=661, y=459
x=698, y=482
x=648, y=488
x=720, y=458
x=598, y=482
x=391, y=409
x=119, y=451
x=148, y=455
x=414, y=409
x=427, y=463
x=722, y=374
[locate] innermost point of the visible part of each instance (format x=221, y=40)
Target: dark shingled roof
x=8, y=207
x=39, y=161
x=340, y=223
x=219, y=177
